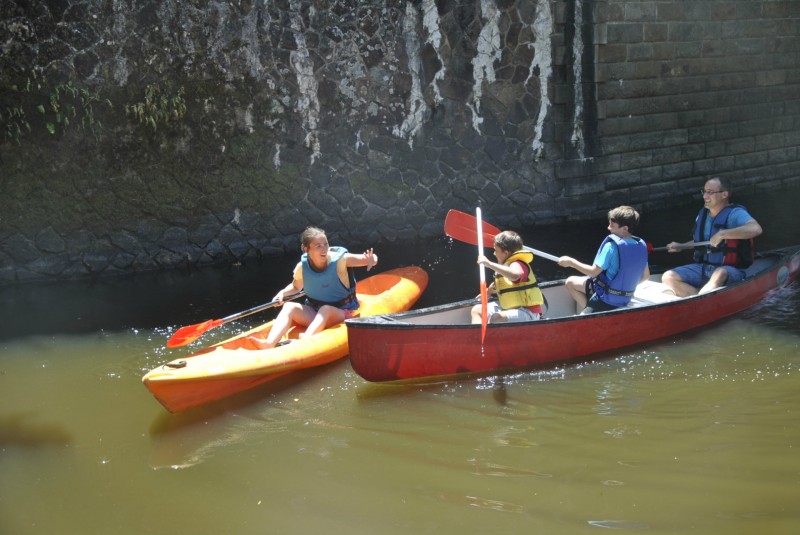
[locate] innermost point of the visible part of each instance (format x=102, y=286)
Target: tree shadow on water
x=18, y=430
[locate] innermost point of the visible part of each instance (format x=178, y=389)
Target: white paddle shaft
x=480, y=243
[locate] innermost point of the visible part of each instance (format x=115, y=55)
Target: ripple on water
x=618, y=524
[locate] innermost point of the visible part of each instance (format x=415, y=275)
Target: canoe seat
x=649, y=292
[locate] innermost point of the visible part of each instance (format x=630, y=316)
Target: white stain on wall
x=119, y=29
x=416, y=107
x=488, y=51
x=577, y=58
x=251, y=42
x=307, y=102
x=276, y=157
x=541, y=63
x=359, y=141
x=430, y=21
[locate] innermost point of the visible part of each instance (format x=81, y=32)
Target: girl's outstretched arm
x=368, y=258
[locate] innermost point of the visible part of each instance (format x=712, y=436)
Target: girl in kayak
x=325, y=273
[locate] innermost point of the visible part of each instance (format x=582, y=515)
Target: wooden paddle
x=190, y=333
x=482, y=272
x=461, y=226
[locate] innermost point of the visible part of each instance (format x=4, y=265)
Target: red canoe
x=439, y=341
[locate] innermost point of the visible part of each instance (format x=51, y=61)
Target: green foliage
x=14, y=123
x=35, y=104
x=159, y=107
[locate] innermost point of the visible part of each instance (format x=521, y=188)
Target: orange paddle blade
x=190, y=333
x=459, y=226
x=187, y=335
x=463, y=227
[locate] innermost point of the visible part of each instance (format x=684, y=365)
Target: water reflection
x=22, y=429
x=186, y=439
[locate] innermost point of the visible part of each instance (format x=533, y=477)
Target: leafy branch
x=159, y=107
x=34, y=105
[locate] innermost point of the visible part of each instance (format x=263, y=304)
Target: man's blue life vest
x=738, y=253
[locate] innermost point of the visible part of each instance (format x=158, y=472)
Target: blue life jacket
x=632, y=261
x=325, y=287
x=738, y=253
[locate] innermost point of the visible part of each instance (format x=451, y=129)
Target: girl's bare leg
x=326, y=317
x=290, y=313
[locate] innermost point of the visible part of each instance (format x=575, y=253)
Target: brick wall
x=677, y=91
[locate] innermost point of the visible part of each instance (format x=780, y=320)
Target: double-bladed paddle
x=190, y=333
x=461, y=226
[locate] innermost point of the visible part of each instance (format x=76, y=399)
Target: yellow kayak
x=234, y=365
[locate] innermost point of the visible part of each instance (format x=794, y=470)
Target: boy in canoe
x=324, y=272
x=518, y=294
x=619, y=265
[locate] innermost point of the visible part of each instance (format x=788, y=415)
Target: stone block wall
x=685, y=90
x=158, y=134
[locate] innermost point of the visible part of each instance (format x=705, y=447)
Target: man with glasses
x=730, y=229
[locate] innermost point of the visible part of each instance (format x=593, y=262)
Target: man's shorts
x=698, y=274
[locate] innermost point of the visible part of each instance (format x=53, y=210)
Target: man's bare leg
x=717, y=280
x=674, y=281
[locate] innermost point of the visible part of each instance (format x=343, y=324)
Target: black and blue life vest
x=325, y=287
x=737, y=253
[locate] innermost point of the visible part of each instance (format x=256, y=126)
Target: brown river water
x=699, y=433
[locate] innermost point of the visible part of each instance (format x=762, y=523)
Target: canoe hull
x=233, y=365
x=405, y=348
